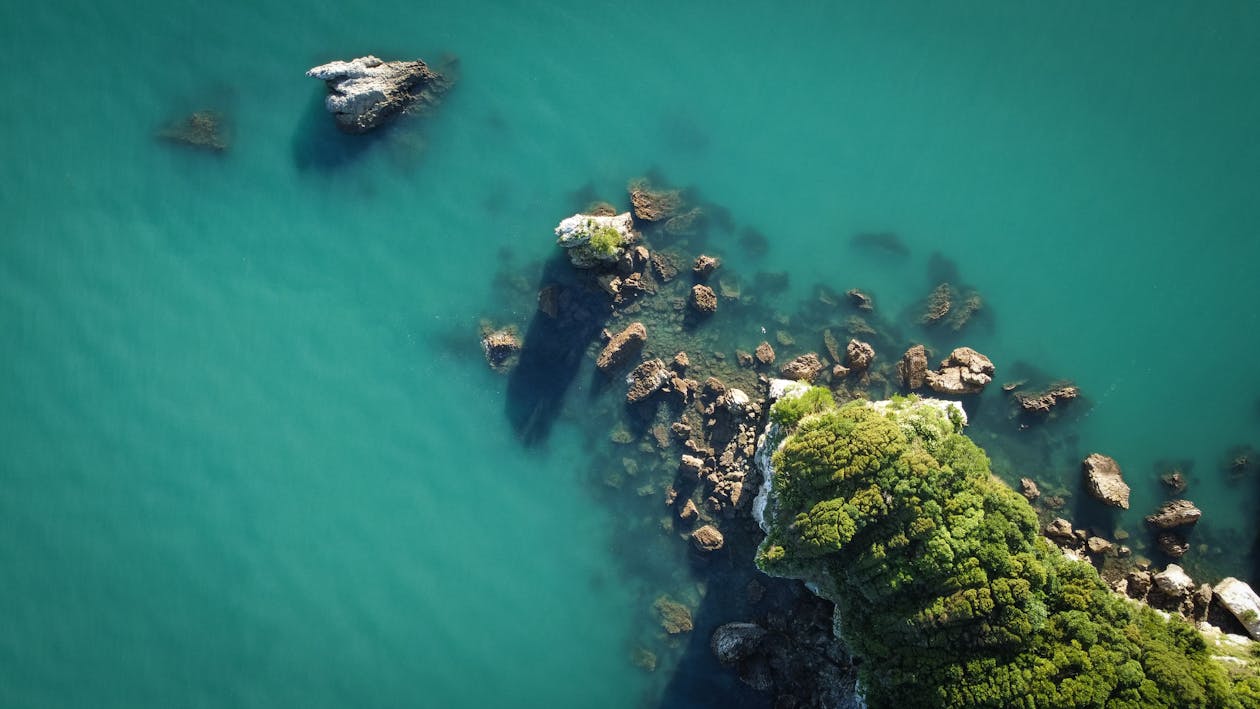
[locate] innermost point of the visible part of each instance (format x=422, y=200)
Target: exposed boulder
x=1139, y=583
x=733, y=642
x=707, y=538
x=647, y=379
x=623, y=347
x=1060, y=529
x=365, y=93
x=681, y=362
x=913, y=368
x=705, y=265
x=1173, y=581
x=1028, y=488
x=500, y=346
x=1240, y=599
x=1046, y=400
x=688, y=511
x=764, y=353
x=1177, y=513
x=965, y=371
x=859, y=355
x=1097, y=545
x=703, y=299
x=803, y=368
x=1103, y=480
x=692, y=466
x=593, y=240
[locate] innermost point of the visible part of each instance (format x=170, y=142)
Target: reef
x=943, y=587
x=365, y=93
x=206, y=130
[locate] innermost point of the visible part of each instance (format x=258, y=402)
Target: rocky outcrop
x=803, y=368
x=1028, y=488
x=1172, y=544
x=647, y=379
x=365, y=93
x=1045, y=401
x=593, y=240
x=1177, y=513
x=1103, y=480
x=653, y=205
x=703, y=299
x=707, y=538
x=859, y=355
x=623, y=347
x=965, y=371
x=913, y=368
x=1059, y=529
x=1241, y=600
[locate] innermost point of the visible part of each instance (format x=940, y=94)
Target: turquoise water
x=252, y=455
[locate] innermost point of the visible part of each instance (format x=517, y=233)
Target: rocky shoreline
x=697, y=414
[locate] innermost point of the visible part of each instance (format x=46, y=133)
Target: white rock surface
x=1241, y=600
x=574, y=233
x=365, y=92
x=767, y=443
x=1174, y=581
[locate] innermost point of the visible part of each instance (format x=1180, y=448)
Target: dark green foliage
x=946, y=590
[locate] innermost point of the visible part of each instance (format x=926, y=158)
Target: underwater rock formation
x=1045, y=401
x=204, y=129
x=653, y=205
x=964, y=371
x=500, y=346
x=365, y=93
x=1104, y=482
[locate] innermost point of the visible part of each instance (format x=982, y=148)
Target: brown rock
x=1046, y=400
x=647, y=379
x=1028, y=488
x=1175, y=481
x=1103, y=480
x=675, y=617
x=653, y=205
x=705, y=265
x=1177, y=513
x=1097, y=545
x=965, y=371
x=1059, y=529
x=1139, y=583
x=764, y=353
x=547, y=301
x=938, y=304
x=913, y=368
x=692, y=465
x=664, y=266
x=703, y=299
x=707, y=538
x=681, y=362
x=803, y=368
x=832, y=345
x=859, y=355
x=623, y=347
x=839, y=372
x=745, y=359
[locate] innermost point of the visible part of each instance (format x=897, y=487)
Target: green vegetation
x=789, y=411
x=604, y=239
x=943, y=585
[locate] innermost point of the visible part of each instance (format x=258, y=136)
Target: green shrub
x=604, y=239
x=789, y=411
x=944, y=586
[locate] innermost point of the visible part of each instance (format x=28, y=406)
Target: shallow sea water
x=252, y=455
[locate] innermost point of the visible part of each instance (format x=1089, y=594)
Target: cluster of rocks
x=365, y=93
x=965, y=371
x=946, y=304
x=1043, y=402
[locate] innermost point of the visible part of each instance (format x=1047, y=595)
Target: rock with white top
x=1241, y=600
x=366, y=92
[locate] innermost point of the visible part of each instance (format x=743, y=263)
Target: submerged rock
x=203, y=129
x=623, y=347
x=500, y=346
x=1046, y=400
x=1103, y=480
x=1240, y=599
x=365, y=93
x=675, y=617
x=860, y=300
x=705, y=265
x=1177, y=513
x=1172, y=544
x=653, y=205
x=965, y=371
x=913, y=368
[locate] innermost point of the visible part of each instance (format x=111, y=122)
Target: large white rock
x=363, y=93
x=1241, y=600
x=574, y=233
x=1174, y=581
